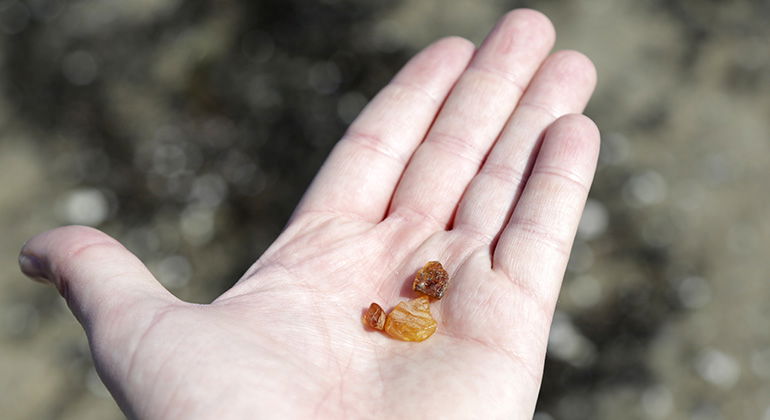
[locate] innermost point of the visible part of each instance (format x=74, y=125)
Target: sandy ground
x=108, y=114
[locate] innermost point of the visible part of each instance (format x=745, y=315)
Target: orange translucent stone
x=374, y=317
x=411, y=321
x=431, y=280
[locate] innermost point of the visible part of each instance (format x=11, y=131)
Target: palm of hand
x=287, y=341
x=301, y=308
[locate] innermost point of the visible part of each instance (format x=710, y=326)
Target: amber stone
x=375, y=317
x=411, y=321
x=431, y=280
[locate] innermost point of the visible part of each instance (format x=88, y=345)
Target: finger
x=534, y=247
x=562, y=86
x=97, y=276
x=362, y=171
x=472, y=118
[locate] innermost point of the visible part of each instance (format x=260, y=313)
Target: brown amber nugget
x=432, y=280
x=375, y=317
x=411, y=321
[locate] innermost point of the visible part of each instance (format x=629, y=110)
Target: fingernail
x=33, y=268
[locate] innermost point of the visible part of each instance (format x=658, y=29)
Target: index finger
x=360, y=175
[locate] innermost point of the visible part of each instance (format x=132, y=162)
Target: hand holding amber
x=477, y=158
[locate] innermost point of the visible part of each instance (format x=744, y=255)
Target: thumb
x=97, y=276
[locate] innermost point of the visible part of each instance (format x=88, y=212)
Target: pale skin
x=475, y=157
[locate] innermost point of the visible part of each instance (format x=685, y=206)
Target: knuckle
x=459, y=146
x=505, y=173
x=563, y=176
x=542, y=233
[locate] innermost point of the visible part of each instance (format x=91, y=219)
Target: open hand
x=475, y=158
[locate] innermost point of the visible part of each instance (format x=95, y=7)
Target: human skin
x=478, y=158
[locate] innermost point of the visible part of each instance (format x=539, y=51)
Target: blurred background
x=188, y=130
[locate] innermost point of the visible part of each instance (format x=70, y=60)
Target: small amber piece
x=375, y=317
x=431, y=280
x=411, y=321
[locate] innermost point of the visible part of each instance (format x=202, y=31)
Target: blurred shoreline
x=189, y=130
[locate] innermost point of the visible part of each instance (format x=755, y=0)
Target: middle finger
x=472, y=118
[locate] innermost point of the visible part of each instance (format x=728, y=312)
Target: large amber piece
x=431, y=280
x=374, y=317
x=411, y=321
